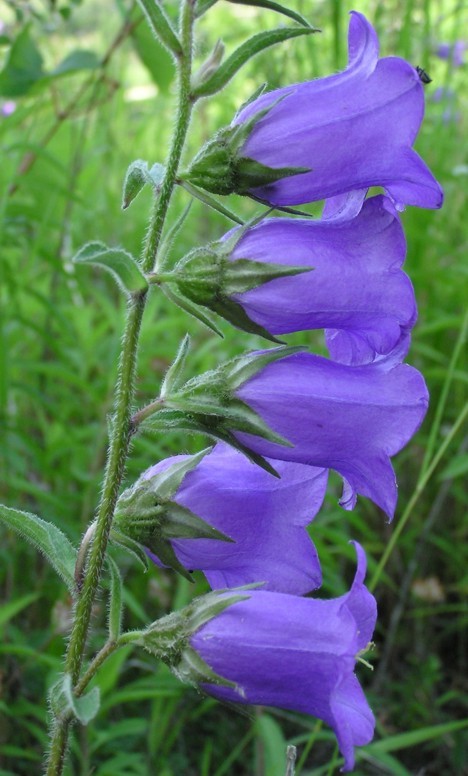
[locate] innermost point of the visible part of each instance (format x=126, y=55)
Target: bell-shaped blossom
x=296, y=653
x=266, y=518
x=348, y=418
x=351, y=130
x=356, y=289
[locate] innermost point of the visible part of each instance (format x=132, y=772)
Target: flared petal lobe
x=348, y=418
x=351, y=131
x=265, y=516
x=356, y=289
x=296, y=653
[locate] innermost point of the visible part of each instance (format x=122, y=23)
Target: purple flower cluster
x=350, y=412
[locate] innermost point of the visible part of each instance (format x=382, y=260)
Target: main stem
x=121, y=430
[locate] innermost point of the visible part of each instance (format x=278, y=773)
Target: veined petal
x=356, y=289
x=352, y=419
x=295, y=653
x=265, y=516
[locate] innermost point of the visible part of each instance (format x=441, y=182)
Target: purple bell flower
x=357, y=290
x=455, y=52
x=265, y=516
x=348, y=418
x=351, y=130
x=296, y=653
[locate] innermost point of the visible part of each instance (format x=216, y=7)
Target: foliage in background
x=83, y=94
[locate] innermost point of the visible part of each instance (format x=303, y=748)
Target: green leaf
x=273, y=745
x=76, y=61
x=11, y=609
x=161, y=25
x=173, y=377
x=414, y=737
x=46, y=538
x=23, y=67
x=65, y=703
x=119, y=263
x=203, y=6
x=246, y=51
x=115, y=600
x=138, y=175
x=155, y=58
x=276, y=7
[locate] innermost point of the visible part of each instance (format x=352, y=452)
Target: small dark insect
x=425, y=77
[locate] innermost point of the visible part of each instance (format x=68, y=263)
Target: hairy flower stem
x=122, y=427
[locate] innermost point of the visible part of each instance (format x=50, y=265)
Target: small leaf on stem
x=64, y=702
x=124, y=268
x=46, y=538
x=161, y=25
x=173, y=377
x=246, y=51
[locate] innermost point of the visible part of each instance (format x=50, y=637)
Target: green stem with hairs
x=122, y=426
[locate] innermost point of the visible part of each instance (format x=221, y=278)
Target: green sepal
x=209, y=278
x=272, y=6
x=138, y=175
x=190, y=308
x=168, y=639
x=173, y=376
x=132, y=547
x=166, y=483
x=208, y=404
x=66, y=704
x=45, y=537
x=220, y=167
x=165, y=552
x=123, y=267
x=211, y=202
x=251, y=174
x=254, y=45
x=242, y=368
x=161, y=25
x=148, y=515
x=215, y=428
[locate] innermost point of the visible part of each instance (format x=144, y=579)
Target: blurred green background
x=84, y=90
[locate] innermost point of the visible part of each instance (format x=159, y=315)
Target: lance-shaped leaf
x=123, y=267
x=161, y=25
x=66, y=704
x=203, y=6
x=138, y=175
x=246, y=51
x=173, y=376
x=272, y=6
x=46, y=538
